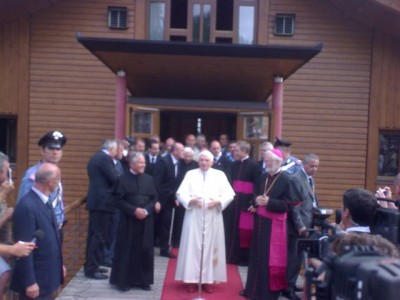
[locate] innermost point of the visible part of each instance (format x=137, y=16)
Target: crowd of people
x=210, y=199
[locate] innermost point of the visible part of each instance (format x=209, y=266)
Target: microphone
x=37, y=236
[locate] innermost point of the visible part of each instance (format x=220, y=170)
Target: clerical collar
x=243, y=159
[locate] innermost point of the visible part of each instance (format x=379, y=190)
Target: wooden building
x=342, y=104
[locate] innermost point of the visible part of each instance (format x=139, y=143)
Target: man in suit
x=51, y=144
x=102, y=176
x=168, y=176
x=300, y=217
x=41, y=274
x=221, y=162
x=152, y=156
x=263, y=150
x=224, y=142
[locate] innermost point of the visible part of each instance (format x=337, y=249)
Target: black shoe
x=146, y=287
x=291, y=295
x=96, y=275
x=102, y=270
x=167, y=254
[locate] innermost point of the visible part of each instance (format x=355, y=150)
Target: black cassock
x=244, y=175
x=133, y=263
x=266, y=274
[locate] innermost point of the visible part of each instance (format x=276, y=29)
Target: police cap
x=53, y=139
x=281, y=143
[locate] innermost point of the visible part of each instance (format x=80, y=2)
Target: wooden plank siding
x=326, y=102
x=14, y=84
x=70, y=89
x=385, y=100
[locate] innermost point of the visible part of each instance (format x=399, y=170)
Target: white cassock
x=211, y=184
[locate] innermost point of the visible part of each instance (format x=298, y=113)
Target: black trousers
x=96, y=243
x=293, y=261
x=164, y=226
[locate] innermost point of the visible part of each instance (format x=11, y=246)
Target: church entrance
x=178, y=124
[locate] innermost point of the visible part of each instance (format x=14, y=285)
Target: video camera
x=316, y=245
x=360, y=273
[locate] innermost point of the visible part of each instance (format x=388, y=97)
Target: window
x=246, y=24
x=157, y=21
x=284, y=24
x=117, y=17
x=8, y=137
x=389, y=151
x=203, y=21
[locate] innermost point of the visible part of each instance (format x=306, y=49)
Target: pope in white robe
x=204, y=193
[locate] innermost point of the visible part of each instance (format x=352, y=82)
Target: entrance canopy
x=217, y=72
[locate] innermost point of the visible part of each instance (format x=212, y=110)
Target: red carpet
x=176, y=290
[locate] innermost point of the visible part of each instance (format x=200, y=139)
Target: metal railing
x=74, y=244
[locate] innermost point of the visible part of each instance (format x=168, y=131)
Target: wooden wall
x=70, y=89
x=326, y=102
x=385, y=99
x=14, y=82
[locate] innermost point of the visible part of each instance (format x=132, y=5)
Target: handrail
x=74, y=237
x=70, y=207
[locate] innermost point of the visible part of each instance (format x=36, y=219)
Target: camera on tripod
x=317, y=243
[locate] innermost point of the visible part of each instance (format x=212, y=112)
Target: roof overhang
x=13, y=9
x=218, y=72
x=383, y=15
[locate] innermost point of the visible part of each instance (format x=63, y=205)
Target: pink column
x=120, y=100
x=277, y=105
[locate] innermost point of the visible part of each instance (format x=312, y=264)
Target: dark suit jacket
x=260, y=164
x=44, y=265
x=102, y=176
x=166, y=182
x=150, y=168
x=302, y=215
x=223, y=164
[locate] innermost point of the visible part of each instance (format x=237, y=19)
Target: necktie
x=49, y=207
x=153, y=160
x=310, y=180
x=176, y=169
x=215, y=160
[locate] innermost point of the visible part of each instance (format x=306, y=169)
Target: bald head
x=47, y=178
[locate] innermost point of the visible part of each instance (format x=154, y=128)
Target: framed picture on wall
x=256, y=127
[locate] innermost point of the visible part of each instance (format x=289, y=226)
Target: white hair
x=207, y=154
x=188, y=150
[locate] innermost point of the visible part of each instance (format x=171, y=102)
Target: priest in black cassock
x=135, y=195
x=237, y=216
x=274, y=196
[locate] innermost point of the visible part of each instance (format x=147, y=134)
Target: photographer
x=358, y=213
x=358, y=210
x=386, y=192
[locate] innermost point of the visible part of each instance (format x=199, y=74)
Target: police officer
x=290, y=163
x=51, y=144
